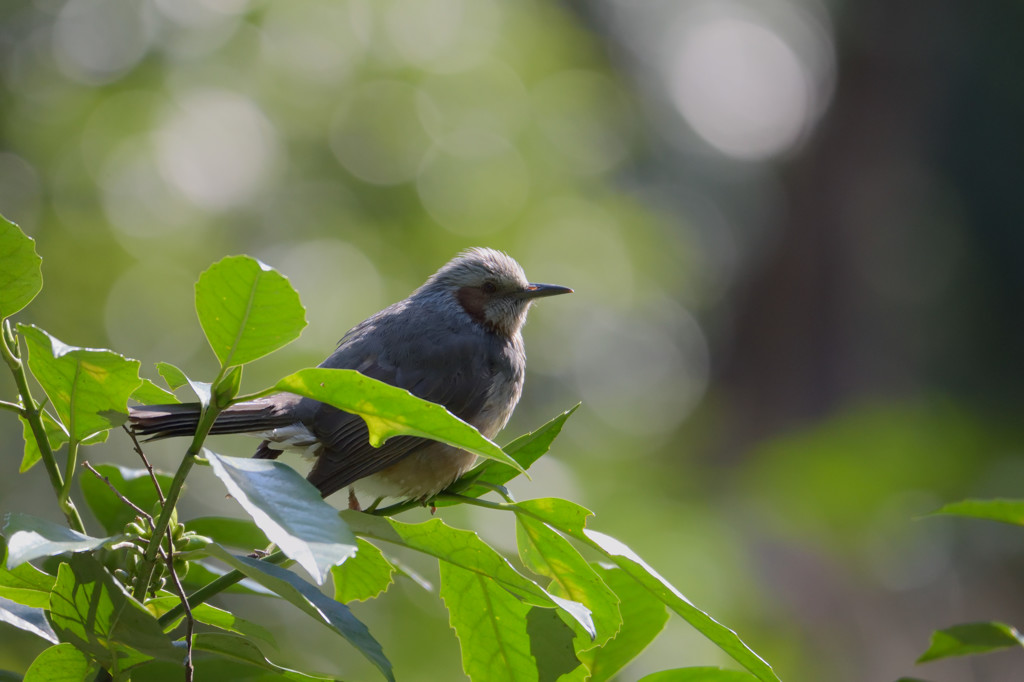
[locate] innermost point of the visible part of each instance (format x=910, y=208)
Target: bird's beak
x=541, y=290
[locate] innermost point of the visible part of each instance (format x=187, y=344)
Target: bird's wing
x=457, y=376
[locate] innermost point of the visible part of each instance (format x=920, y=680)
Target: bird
x=456, y=341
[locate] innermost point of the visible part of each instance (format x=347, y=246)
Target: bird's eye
x=489, y=287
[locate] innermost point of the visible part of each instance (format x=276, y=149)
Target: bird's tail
x=181, y=419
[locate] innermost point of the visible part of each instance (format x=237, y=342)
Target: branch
x=32, y=414
x=138, y=510
x=206, y=420
x=145, y=461
x=190, y=623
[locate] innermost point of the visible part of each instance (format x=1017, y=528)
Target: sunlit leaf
x=466, y=550
x=92, y=611
x=525, y=450
x=547, y=553
x=362, y=577
x=247, y=309
x=390, y=411
x=135, y=484
x=60, y=663
x=1005, y=511
x=151, y=394
x=311, y=601
x=971, y=638
x=571, y=518
x=643, y=618
x=174, y=377
x=21, y=276
x=89, y=388
x=29, y=537
x=26, y=618
x=289, y=510
x=491, y=626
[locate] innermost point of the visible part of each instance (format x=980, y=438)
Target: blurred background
x=793, y=228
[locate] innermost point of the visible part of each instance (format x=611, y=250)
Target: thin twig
x=145, y=461
x=190, y=623
x=141, y=512
x=13, y=407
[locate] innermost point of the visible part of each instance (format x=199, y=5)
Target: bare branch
x=145, y=461
x=190, y=623
x=144, y=514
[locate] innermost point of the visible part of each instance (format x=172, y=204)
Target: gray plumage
x=455, y=341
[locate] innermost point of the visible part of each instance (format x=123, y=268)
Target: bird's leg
x=353, y=503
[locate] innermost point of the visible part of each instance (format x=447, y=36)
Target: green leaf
x=311, y=601
x=174, y=377
x=364, y=576
x=525, y=450
x=201, y=574
x=289, y=510
x=571, y=518
x=491, y=626
x=247, y=310
x=89, y=388
x=241, y=649
x=643, y=617
x=151, y=394
x=551, y=643
x=971, y=638
x=24, y=584
x=92, y=611
x=21, y=276
x=29, y=537
x=1005, y=511
x=390, y=411
x=227, y=388
x=547, y=553
x=60, y=663
x=466, y=550
x=212, y=667
x=241, y=533
x=699, y=674
x=209, y=615
x=55, y=435
x=135, y=484
x=26, y=618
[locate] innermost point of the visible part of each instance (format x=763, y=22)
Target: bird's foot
x=353, y=503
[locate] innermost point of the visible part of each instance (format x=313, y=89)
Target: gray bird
x=455, y=341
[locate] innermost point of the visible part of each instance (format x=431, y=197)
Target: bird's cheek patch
x=472, y=300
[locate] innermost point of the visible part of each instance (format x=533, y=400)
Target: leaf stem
x=33, y=415
x=69, y=472
x=211, y=589
x=206, y=419
x=12, y=407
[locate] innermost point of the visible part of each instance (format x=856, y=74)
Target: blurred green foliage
x=358, y=145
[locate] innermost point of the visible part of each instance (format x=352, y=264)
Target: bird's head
x=491, y=288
